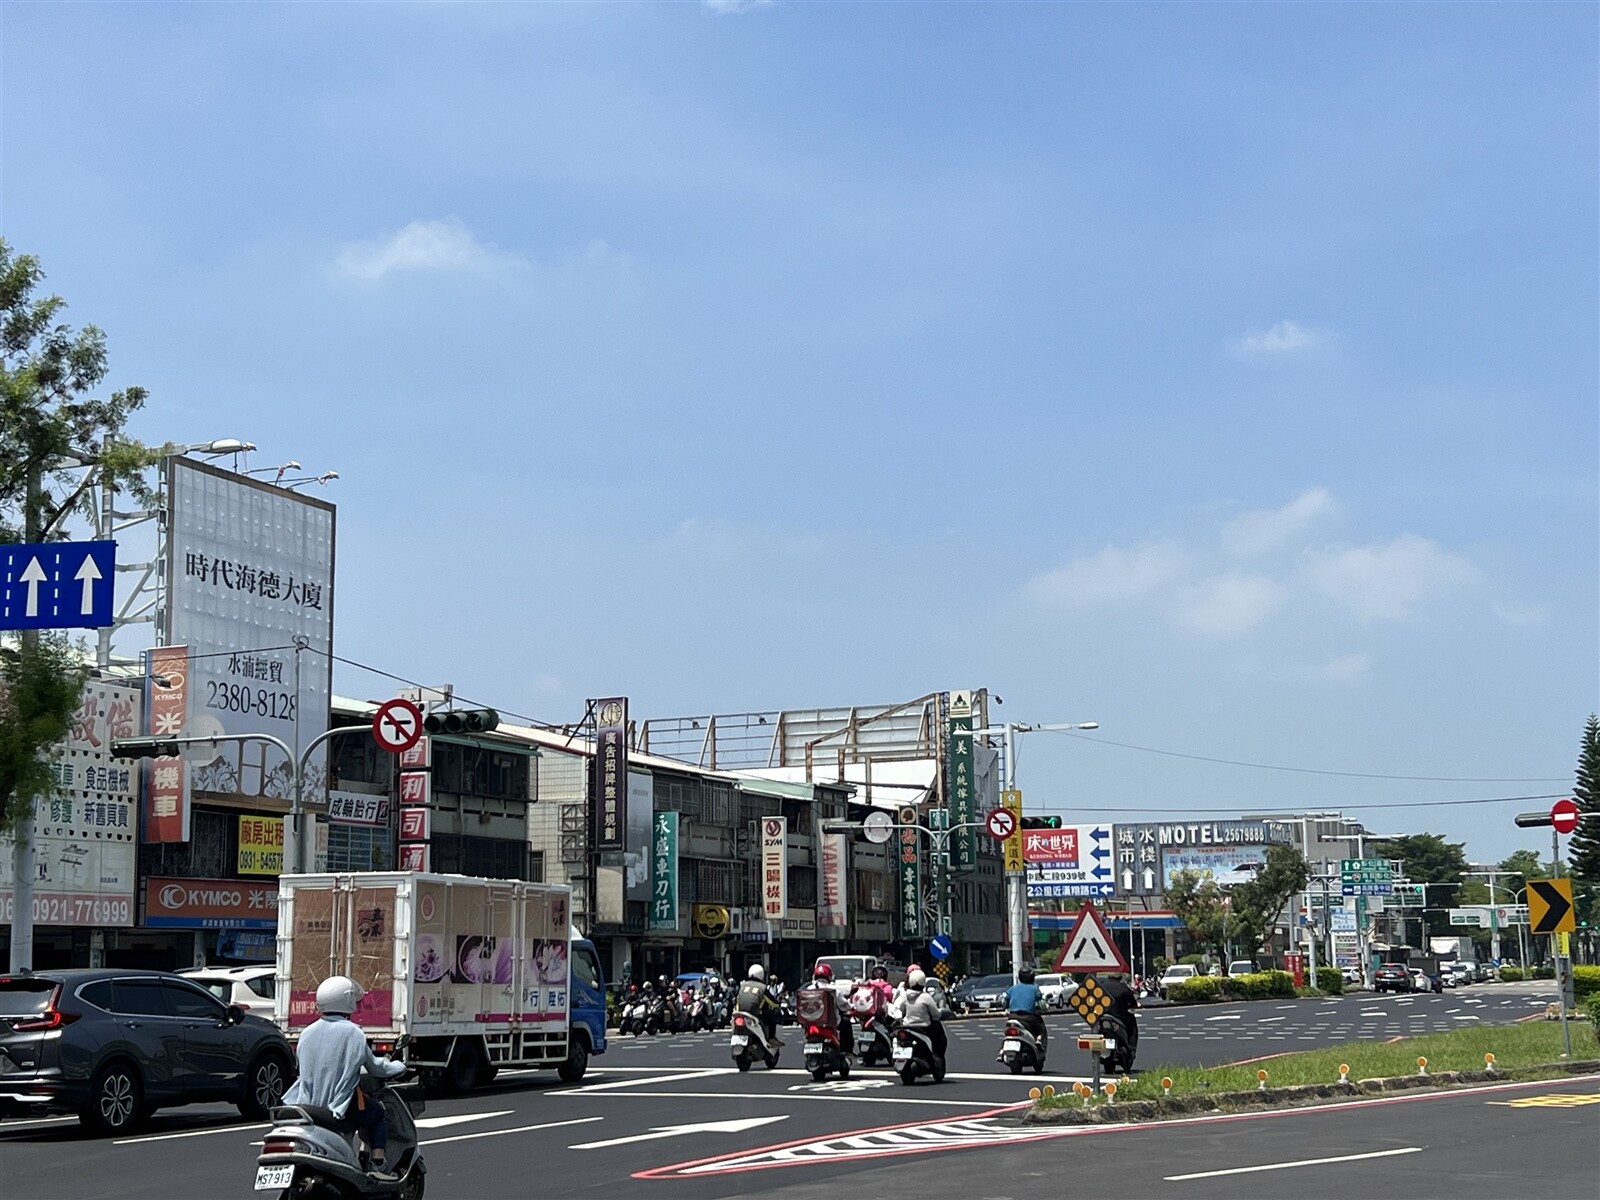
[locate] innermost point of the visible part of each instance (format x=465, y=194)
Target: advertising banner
x=357, y=808
x=664, y=872
x=834, y=911
x=610, y=776
x=636, y=858
x=166, y=807
x=910, y=925
x=1228, y=864
x=1074, y=860
x=961, y=783
x=209, y=904
x=774, y=867
x=1138, y=860
x=260, y=846
x=415, y=825
x=86, y=835
x=249, y=571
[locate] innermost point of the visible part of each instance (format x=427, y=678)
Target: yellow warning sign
x=1011, y=801
x=1089, y=1001
x=1550, y=906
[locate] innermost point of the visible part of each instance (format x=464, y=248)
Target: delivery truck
x=475, y=974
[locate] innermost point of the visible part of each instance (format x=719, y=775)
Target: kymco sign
x=210, y=904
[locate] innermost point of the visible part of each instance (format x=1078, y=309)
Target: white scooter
x=749, y=1041
x=309, y=1153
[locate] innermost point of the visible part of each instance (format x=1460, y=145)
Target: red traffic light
x=1564, y=815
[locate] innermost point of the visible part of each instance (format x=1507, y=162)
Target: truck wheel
x=577, y=1060
x=461, y=1072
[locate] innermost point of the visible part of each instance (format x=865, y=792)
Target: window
x=714, y=883
x=585, y=968
x=264, y=986
x=186, y=1000
x=138, y=998
x=97, y=994
x=358, y=848
x=490, y=858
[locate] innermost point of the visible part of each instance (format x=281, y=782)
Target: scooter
x=824, y=1054
x=914, y=1056
x=1020, y=1049
x=749, y=1040
x=307, y=1152
x=1117, y=1058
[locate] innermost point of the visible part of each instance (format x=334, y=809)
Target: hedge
x=1544, y=973
x=1330, y=980
x=1258, y=985
x=1592, y=1007
x=1191, y=991
x=1510, y=974
x=1585, y=982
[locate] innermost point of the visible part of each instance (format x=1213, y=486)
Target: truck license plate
x=274, y=1178
x=739, y=1039
x=1010, y=1046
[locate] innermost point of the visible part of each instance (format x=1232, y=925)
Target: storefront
x=192, y=922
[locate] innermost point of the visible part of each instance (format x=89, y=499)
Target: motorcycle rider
x=1024, y=1001
x=822, y=982
x=754, y=1000
x=1123, y=1002
x=922, y=1011
x=333, y=1053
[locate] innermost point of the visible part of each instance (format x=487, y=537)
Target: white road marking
x=1468, y=1017
x=623, y=1083
x=1226, y=1017
x=670, y=1131
x=836, y=1097
x=467, y=1137
x=459, y=1118
x=1304, y=1162
x=167, y=1137
x=1265, y=1020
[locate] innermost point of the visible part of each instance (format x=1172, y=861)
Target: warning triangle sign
x=1090, y=946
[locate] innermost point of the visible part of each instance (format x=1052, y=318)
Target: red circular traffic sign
x=397, y=725
x=1001, y=824
x=1564, y=815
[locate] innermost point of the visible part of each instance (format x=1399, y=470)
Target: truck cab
x=588, y=1000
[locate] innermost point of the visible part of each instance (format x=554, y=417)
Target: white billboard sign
x=86, y=836
x=250, y=570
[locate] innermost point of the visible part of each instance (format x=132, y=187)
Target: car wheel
x=264, y=1085
x=116, y=1097
x=577, y=1062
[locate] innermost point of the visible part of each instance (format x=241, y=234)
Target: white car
x=1177, y=973
x=251, y=988
x=1054, y=989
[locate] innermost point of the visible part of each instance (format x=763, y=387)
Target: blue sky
x=1225, y=374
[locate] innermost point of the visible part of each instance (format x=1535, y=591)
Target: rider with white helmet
x=754, y=1000
x=333, y=1053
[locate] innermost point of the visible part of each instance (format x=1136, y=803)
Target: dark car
x=115, y=1045
x=1392, y=977
x=981, y=994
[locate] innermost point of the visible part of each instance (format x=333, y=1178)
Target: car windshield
x=847, y=966
x=222, y=989
x=25, y=997
x=993, y=981
x=1180, y=970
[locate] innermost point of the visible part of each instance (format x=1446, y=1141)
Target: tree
x=1429, y=859
x=57, y=442
x=1584, y=847
x=1257, y=902
x=1523, y=865
x=1197, y=900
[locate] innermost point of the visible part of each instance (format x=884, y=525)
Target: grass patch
x=1530, y=1044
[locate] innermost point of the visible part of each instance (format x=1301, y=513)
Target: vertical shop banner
x=1138, y=860
x=774, y=867
x=910, y=876
x=636, y=858
x=610, y=774
x=250, y=571
x=834, y=909
x=166, y=809
x=86, y=832
x=961, y=783
x=418, y=756
x=664, y=872
x=260, y=846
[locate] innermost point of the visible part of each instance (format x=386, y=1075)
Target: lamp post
x=1016, y=884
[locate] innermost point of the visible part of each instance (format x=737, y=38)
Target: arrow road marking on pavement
x=667, y=1131
x=33, y=575
x=88, y=573
x=628, y=1083
x=459, y=1119
x=1304, y=1162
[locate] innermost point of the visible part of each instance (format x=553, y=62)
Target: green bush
x=1511, y=974
x=1330, y=980
x=1258, y=985
x=1543, y=973
x=1197, y=990
x=1592, y=1007
x=1585, y=982
x=1193, y=960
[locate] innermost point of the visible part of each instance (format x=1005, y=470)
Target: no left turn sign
x=1001, y=824
x=397, y=725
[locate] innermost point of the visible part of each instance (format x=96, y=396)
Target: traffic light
x=1041, y=822
x=462, y=720
x=145, y=747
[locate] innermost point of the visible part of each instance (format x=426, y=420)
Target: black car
x=1392, y=977
x=115, y=1045
x=980, y=995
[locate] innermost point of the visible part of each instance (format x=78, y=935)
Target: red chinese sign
x=166, y=811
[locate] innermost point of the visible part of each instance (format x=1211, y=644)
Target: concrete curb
x=1304, y=1095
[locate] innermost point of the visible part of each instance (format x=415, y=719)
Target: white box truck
x=479, y=974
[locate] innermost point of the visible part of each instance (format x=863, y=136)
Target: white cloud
x=1386, y=582
x=1286, y=337
x=1228, y=605
x=725, y=8
x=1112, y=574
x=1253, y=532
x=1522, y=615
x=446, y=245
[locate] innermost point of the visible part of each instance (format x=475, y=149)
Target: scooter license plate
x=739, y=1039
x=269, y=1179
x=1011, y=1045
x=902, y=1053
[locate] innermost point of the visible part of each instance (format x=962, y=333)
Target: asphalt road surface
x=664, y=1115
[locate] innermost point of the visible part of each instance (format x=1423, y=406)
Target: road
x=633, y=1126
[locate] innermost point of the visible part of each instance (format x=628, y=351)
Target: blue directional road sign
x=57, y=585
x=940, y=946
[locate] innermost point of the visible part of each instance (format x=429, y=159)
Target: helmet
x=912, y=967
x=823, y=972
x=880, y=972
x=915, y=978
x=757, y=972
x=338, y=995
x=1025, y=975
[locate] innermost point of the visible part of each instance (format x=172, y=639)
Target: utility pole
x=23, y=866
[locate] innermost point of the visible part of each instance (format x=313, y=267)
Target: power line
x=521, y=718
x=1229, y=762
x=1141, y=808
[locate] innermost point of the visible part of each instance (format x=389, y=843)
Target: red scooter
x=816, y=1009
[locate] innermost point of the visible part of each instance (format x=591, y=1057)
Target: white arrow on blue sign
x=941, y=946
x=57, y=585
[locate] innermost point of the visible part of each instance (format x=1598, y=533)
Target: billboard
x=1074, y=860
x=834, y=912
x=774, y=867
x=86, y=835
x=961, y=783
x=250, y=571
x=609, y=781
x=636, y=858
x=664, y=872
